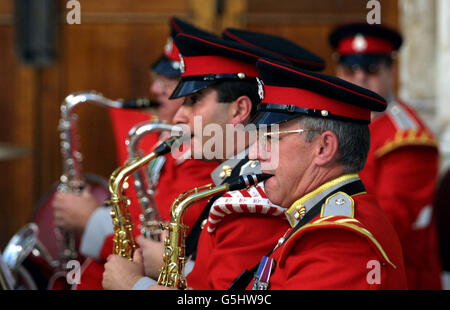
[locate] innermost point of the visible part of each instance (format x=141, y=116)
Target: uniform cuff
x=144, y=283
x=188, y=267
x=97, y=229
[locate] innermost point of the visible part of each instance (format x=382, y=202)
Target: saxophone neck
x=184, y=201
x=120, y=175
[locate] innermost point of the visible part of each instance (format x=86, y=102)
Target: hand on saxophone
x=72, y=211
x=121, y=273
x=152, y=252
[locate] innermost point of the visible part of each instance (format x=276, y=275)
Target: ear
x=326, y=148
x=240, y=110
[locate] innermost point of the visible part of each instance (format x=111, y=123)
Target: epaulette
x=339, y=204
x=409, y=132
x=410, y=137
x=337, y=213
x=401, y=118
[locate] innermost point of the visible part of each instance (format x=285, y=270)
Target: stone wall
x=424, y=65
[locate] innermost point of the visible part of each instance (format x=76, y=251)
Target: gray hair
x=353, y=140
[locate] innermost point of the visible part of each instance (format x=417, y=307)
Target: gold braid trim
x=406, y=138
x=345, y=223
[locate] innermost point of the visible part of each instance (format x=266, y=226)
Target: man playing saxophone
x=226, y=96
x=81, y=212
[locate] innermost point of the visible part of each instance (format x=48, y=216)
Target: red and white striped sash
x=253, y=200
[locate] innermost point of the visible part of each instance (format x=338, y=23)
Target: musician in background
x=221, y=89
x=402, y=165
x=81, y=212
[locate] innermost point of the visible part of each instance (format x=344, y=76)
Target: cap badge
x=359, y=43
x=260, y=88
x=169, y=45
x=226, y=172
x=182, y=65
x=241, y=75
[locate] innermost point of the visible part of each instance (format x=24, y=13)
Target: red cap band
x=360, y=44
x=202, y=65
x=306, y=99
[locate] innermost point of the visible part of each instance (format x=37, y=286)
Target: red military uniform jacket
x=349, y=245
x=401, y=171
x=177, y=176
x=245, y=233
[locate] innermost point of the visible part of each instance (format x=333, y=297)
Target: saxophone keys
x=122, y=235
x=125, y=185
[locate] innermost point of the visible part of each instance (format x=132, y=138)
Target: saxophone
x=123, y=241
x=145, y=187
x=72, y=180
x=172, y=272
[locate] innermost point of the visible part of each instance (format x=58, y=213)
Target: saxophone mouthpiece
x=246, y=181
x=174, y=141
x=140, y=103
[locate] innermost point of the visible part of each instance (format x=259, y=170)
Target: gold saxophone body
x=172, y=273
x=123, y=241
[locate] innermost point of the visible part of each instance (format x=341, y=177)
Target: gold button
x=301, y=211
x=340, y=201
x=226, y=171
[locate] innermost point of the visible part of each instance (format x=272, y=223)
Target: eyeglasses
x=265, y=139
x=370, y=69
x=277, y=133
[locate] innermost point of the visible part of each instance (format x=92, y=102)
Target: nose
x=156, y=88
x=253, y=152
x=181, y=116
x=259, y=150
x=360, y=77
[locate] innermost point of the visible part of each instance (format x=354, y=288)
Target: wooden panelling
x=152, y=6
x=17, y=127
x=6, y=7
x=309, y=23
x=110, y=52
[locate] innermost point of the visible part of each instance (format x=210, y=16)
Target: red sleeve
x=177, y=179
x=238, y=243
x=107, y=247
x=122, y=120
x=405, y=184
x=327, y=259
